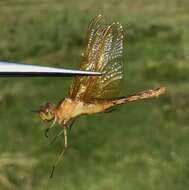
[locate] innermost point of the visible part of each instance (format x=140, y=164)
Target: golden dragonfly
x=93, y=94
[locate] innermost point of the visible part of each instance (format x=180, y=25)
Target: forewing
x=104, y=54
x=79, y=84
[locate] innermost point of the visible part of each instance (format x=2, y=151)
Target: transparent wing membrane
x=103, y=53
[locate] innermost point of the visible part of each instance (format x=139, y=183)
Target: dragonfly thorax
x=68, y=109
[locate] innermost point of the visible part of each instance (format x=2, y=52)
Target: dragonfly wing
x=110, y=64
x=79, y=84
x=104, y=54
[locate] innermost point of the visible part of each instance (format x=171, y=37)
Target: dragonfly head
x=46, y=112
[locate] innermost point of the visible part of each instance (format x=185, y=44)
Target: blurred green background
x=143, y=145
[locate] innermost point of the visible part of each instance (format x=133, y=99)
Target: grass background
x=143, y=145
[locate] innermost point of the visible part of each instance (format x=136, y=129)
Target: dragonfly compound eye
x=46, y=112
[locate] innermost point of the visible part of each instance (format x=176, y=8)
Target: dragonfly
x=103, y=53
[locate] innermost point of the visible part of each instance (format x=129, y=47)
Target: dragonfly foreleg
x=49, y=127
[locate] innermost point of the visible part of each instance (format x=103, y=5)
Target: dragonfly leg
x=46, y=132
x=56, y=136
x=61, y=155
x=49, y=127
x=110, y=110
x=53, y=123
x=62, y=131
x=70, y=124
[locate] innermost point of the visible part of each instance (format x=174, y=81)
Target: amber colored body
x=69, y=109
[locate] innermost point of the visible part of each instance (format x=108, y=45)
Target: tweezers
x=8, y=69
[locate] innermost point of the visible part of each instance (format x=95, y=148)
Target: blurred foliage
x=142, y=145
